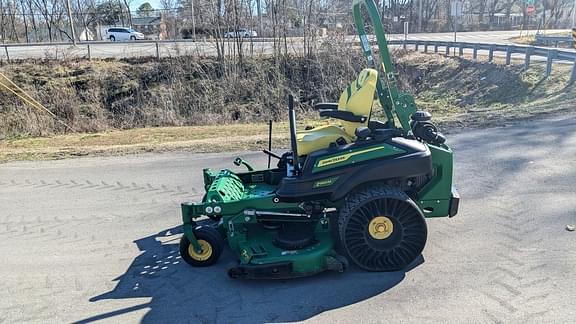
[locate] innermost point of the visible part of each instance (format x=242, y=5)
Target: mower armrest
x=326, y=106
x=343, y=115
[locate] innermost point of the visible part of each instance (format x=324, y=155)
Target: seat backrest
x=358, y=99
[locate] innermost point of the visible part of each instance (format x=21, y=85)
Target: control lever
x=239, y=161
x=272, y=154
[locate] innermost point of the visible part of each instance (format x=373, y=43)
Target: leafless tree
x=53, y=12
x=557, y=9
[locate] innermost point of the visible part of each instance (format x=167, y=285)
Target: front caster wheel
x=382, y=229
x=212, y=245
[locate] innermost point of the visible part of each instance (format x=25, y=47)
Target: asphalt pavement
x=94, y=239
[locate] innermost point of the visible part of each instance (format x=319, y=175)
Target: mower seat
x=356, y=101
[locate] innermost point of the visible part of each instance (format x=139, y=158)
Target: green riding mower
x=356, y=190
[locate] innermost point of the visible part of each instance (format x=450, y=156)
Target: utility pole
x=420, y=15
x=456, y=12
x=259, y=9
x=193, y=21
x=71, y=22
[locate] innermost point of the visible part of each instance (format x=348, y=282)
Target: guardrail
x=553, y=40
x=551, y=55
x=121, y=49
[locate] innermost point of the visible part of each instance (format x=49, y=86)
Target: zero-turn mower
x=357, y=190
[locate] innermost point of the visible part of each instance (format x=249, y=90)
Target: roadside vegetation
x=531, y=39
x=195, y=104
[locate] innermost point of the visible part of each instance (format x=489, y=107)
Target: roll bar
x=394, y=103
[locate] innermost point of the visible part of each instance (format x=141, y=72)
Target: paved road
x=488, y=37
x=140, y=49
x=96, y=239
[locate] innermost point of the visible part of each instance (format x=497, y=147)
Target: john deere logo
x=345, y=157
x=333, y=160
x=325, y=182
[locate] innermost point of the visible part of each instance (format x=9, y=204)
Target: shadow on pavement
x=181, y=293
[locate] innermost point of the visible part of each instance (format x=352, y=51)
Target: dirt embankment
x=101, y=95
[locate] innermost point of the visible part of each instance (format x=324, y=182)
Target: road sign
x=530, y=10
x=456, y=8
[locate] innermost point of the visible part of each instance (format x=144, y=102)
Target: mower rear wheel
x=212, y=245
x=381, y=229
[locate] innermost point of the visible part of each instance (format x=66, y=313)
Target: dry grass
x=236, y=137
x=531, y=39
x=222, y=138
x=459, y=93
x=524, y=40
x=100, y=95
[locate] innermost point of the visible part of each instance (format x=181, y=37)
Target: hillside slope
x=94, y=96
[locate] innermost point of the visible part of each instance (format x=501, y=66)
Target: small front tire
x=112, y=38
x=212, y=245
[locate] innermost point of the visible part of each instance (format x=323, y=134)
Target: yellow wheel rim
x=204, y=255
x=380, y=227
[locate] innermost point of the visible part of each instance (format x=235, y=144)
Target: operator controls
x=239, y=161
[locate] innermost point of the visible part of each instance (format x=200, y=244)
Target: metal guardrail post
x=475, y=52
x=404, y=44
x=89, y=54
x=509, y=54
x=529, y=51
x=7, y=55
x=551, y=56
x=447, y=50
x=460, y=49
x=426, y=48
x=157, y=51
x=435, y=48
x=491, y=54
x=573, y=75
x=416, y=46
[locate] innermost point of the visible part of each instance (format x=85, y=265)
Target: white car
x=123, y=34
x=240, y=33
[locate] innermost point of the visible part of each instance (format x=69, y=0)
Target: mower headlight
x=209, y=210
x=217, y=209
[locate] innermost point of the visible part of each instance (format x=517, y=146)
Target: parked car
x=240, y=33
x=123, y=34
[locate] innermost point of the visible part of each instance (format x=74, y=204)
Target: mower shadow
x=183, y=294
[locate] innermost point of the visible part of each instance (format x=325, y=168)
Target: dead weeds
x=125, y=107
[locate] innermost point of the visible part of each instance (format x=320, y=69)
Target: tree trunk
x=129, y=13
x=2, y=25
x=23, y=9
x=12, y=13
x=34, y=27
x=84, y=23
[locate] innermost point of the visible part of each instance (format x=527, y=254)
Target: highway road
x=106, y=49
x=488, y=37
x=96, y=239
